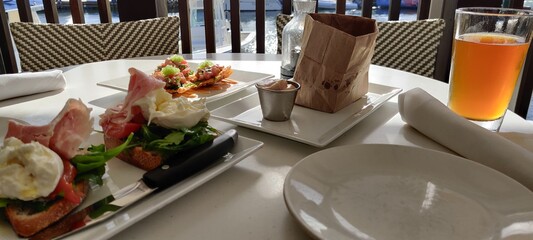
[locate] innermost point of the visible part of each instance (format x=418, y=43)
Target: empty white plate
x=378, y=191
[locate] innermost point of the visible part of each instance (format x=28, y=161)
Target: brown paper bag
x=333, y=65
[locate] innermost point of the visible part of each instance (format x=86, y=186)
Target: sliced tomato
x=120, y=131
x=65, y=186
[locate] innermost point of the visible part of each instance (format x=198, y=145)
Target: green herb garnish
x=4, y=202
x=205, y=64
x=170, y=141
x=169, y=70
x=176, y=58
x=91, y=166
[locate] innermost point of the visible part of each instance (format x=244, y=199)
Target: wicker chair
x=47, y=46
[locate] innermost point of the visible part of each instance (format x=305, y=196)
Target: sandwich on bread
x=43, y=173
x=164, y=126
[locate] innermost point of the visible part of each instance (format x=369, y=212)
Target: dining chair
x=52, y=16
x=46, y=46
x=410, y=46
x=404, y=45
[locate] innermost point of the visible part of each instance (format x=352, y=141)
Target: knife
x=168, y=174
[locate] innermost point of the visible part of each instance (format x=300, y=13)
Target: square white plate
x=120, y=174
x=244, y=79
x=306, y=125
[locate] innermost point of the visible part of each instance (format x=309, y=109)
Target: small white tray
x=306, y=125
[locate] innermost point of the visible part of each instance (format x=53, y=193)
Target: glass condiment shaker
x=292, y=36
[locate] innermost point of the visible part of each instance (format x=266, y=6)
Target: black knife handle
x=172, y=172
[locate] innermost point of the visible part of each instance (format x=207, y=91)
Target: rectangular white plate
x=244, y=79
x=121, y=174
x=306, y=125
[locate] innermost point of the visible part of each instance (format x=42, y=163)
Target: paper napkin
x=21, y=84
x=433, y=119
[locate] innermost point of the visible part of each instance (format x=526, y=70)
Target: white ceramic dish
x=121, y=174
x=306, y=125
x=244, y=79
x=378, y=191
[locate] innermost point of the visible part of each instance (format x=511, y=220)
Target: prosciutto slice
x=64, y=134
x=121, y=120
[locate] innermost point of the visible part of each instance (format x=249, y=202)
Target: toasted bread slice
x=136, y=156
x=25, y=223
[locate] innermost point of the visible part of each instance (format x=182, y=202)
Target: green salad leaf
x=30, y=207
x=170, y=141
x=91, y=166
x=103, y=206
x=3, y=202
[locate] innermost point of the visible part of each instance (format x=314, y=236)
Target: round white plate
x=376, y=191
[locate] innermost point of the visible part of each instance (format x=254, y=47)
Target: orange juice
x=485, y=68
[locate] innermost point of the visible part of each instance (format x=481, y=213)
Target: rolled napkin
x=21, y=84
x=435, y=120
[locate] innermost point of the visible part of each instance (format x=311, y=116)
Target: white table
x=245, y=202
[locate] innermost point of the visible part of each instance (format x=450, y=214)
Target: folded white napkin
x=21, y=84
x=433, y=119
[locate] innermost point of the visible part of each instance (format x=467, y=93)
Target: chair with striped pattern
x=46, y=46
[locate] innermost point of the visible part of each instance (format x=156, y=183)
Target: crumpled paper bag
x=334, y=62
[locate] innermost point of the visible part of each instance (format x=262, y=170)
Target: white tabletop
x=246, y=201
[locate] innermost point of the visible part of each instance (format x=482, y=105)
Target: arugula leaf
x=93, y=176
x=103, y=206
x=92, y=165
x=31, y=207
x=170, y=141
x=4, y=202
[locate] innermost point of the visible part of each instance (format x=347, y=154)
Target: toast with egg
x=44, y=174
x=164, y=126
x=26, y=220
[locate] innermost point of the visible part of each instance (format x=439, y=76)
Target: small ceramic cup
x=277, y=98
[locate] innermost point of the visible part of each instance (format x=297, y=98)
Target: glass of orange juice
x=489, y=50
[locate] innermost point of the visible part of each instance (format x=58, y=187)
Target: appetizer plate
x=120, y=174
x=246, y=112
x=243, y=79
x=378, y=191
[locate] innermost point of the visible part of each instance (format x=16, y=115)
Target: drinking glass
x=489, y=49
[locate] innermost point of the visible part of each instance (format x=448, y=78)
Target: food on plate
x=175, y=72
x=179, y=78
x=164, y=126
x=43, y=173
